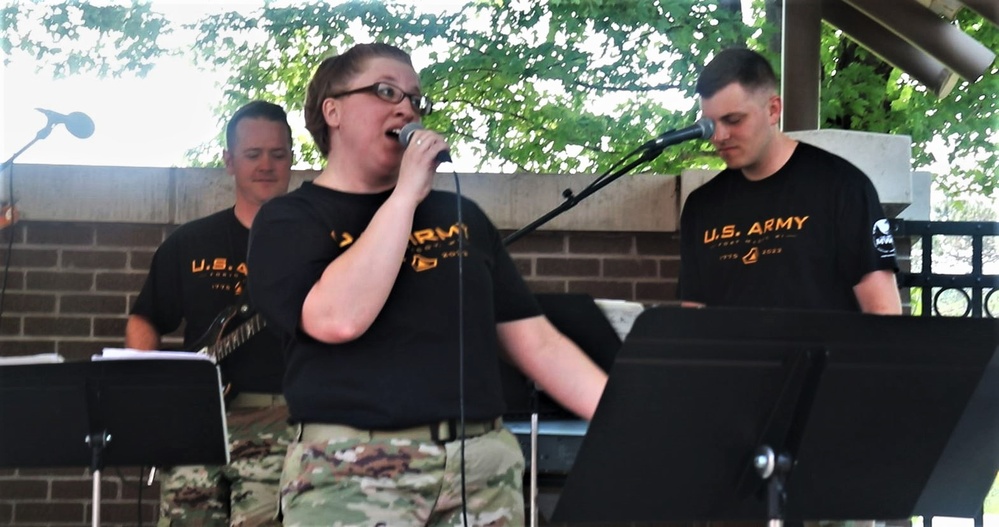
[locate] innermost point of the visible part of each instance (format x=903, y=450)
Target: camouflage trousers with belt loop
x=243, y=493
x=344, y=477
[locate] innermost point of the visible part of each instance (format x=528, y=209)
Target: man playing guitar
x=198, y=277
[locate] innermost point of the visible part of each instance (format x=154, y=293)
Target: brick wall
x=62, y=497
x=70, y=285
x=626, y=266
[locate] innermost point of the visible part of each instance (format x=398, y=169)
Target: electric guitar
x=224, y=336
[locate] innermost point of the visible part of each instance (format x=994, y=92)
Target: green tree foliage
x=561, y=86
x=860, y=92
x=70, y=37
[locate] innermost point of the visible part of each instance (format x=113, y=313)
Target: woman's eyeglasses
x=393, y=94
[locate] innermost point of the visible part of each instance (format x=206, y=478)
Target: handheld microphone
x=407, y=132
x=78, y=123
x=704, y=128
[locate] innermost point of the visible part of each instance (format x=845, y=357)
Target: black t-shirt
x=801, y=238
x=404, y=371
x=199, y=271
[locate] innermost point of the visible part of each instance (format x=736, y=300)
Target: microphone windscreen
x=407, y=132
x=707, y=127
x=80, y=125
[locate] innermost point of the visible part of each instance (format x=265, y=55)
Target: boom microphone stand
x=702, y=129
x=78, y=124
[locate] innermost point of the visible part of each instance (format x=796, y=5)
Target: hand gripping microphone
x=78, y=123
x=407, y=132
x=704, y=128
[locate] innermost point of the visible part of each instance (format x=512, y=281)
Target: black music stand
x=877, y=418
x=112, y=413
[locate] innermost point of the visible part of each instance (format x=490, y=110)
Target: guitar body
x=230, y=329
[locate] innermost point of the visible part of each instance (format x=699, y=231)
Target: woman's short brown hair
x=332, y=76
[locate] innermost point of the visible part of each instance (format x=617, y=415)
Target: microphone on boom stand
x=78, y=123
x=704, y=128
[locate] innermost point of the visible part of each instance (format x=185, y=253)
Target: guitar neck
x=236, y=338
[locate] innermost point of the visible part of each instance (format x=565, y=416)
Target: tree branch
x=634, y=89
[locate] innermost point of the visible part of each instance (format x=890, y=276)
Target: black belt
x=440, y=432
x=257, y=400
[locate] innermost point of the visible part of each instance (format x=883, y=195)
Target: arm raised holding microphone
x=353, y=289
x=361, y=272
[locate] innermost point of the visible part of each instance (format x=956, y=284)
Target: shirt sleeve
x=513, y=299
x=161, y=299
x=865, y=235
x=288, y=252
x=688, y=284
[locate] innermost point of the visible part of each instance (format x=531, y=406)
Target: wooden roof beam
x=932, y=34
x=891, y=48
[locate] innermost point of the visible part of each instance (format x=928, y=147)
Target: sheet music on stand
x=134, y=354
x=112, y=412
x=620, y=313
x=40, y=358
x=128, y=355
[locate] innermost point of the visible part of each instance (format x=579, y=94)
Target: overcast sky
x=137, y=122
x=150, y=121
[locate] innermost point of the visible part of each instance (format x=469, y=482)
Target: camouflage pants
x=242, y=493
x=403, y=482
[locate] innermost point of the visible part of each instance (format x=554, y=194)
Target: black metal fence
x=935, y=293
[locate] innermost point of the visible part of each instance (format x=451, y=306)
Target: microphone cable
x=10, y=242
x=444, y=156
x=461, y=346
